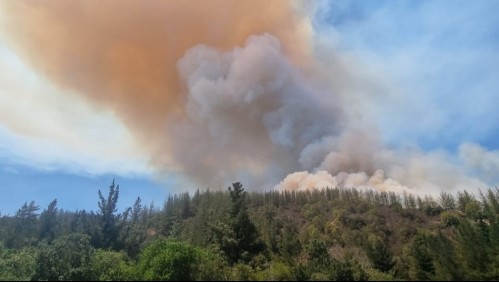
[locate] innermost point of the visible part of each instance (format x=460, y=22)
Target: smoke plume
x=221, y=90
x=249, y=110
x=122, y=55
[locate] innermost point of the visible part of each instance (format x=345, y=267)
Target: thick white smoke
x=300, y=181
x=254, y=116
x=250, y=111
x=397, y=170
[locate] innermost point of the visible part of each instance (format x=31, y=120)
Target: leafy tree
x=168, y=260
x=318, y=263
x=68, y=258
x=277, y=271
x=17, y=265
x=318, y=255
x=347, y=269
x=321, y=266
x=112, y=266
x=210, y=266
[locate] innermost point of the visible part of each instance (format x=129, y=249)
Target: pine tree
x=422, y=267
x=379, y=254
x=48, y=222
x=108, y=220
x=239, y=238
x=26, y=225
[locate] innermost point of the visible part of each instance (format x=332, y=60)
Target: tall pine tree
x=108, y=219
x=239, y=239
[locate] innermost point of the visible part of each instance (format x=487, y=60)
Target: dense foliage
x=329, y=234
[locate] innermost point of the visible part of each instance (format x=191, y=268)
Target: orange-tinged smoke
x=218, y=90
x=122, y=55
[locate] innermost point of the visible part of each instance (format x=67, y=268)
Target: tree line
x=328, y=234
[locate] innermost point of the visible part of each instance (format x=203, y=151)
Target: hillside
x=330, y=234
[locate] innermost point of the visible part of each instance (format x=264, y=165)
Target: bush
x=449, y=219
x=17, y=265
x=112, y=266
x=168, y=260
x=376, y=275
x=278, y=271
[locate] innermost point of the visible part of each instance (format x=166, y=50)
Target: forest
x=327, y=234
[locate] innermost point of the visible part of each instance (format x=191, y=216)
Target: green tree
x=474, y=246
x=239, y=238
x=17, y=265
x=318, y=254
x=134, y=233
x=447, y=201
x=108, y=219
x=168, y=260
x=449, y=219
x=26, y=225
x=347, y=269
x=27, y=213
x=318, y=264
x=289, y=244
x=379, y=253
x=67, y=258
x=447, y=265
x=112, y=266
x=422, y=267
x=321, y=266
x=48, y=222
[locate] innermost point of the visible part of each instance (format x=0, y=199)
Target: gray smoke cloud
x=255, y=116
x=287, y=108
x=251, y=113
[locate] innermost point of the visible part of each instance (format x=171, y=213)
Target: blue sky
x=73, y=191
x=441, y=54
x=53, y=146
x=436, y=62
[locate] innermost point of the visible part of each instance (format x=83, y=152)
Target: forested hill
x=330, y=234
